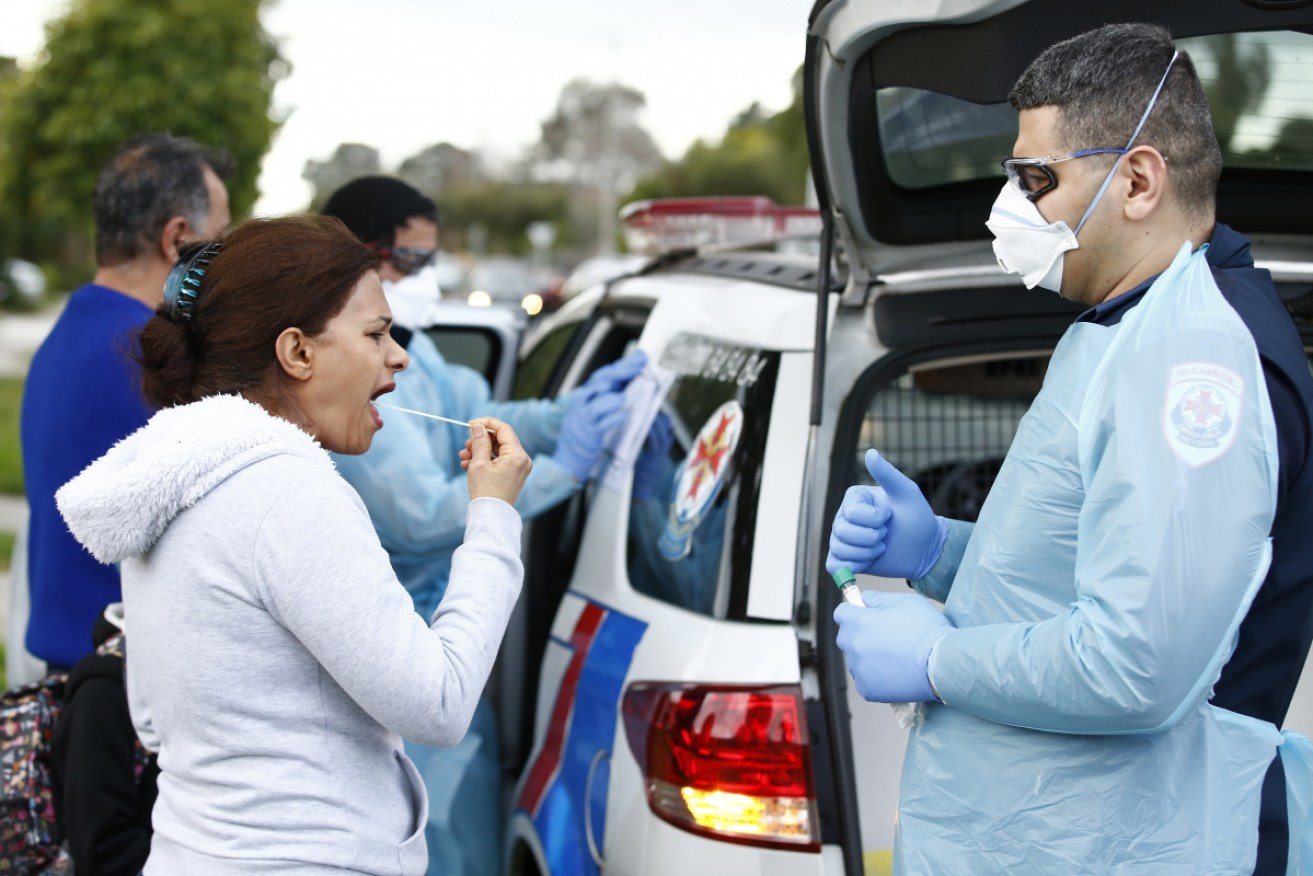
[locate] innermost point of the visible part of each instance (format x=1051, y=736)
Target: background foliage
x=760, y=154
x=113, y=69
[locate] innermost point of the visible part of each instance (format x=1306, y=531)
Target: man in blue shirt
x=81, y=394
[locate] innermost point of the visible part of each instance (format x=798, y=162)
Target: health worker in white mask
x=412, y=483
x=1124, y=624
x=1031, y=240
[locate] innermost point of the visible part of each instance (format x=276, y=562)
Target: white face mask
x=1027, y=244
x=412, y=297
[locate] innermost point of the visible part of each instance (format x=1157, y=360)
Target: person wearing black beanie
x=392, y=218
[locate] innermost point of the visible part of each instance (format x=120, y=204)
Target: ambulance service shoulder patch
x=1201, y=416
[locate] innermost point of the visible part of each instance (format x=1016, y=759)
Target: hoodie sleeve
x=324, y=575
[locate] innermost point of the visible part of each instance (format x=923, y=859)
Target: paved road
x=20, y=335
x=13, y=513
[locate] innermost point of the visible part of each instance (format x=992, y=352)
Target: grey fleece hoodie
x=275, y=659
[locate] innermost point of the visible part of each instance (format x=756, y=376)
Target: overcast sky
x=403, y=74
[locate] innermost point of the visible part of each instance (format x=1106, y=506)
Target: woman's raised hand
x=497, y=463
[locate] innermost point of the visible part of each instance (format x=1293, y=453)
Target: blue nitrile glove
x=654, y=460
x=615, y=376
x=887, y=530
x=887, y=645
x=589, y=419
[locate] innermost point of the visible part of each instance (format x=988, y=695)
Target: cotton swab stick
x=430, y=416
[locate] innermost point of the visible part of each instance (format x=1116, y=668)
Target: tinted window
x=1258, y=91
x=475, y=348
x=694, y=510
x=930, y=139
x=536, y=369
x=949, y=427
x=1257, y=86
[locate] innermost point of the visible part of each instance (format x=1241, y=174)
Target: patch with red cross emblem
x=1202, y=413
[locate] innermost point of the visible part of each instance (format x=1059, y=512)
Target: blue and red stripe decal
x=582, y=723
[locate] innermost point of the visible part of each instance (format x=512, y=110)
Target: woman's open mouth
x=373, y=411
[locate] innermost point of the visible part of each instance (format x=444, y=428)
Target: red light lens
x=730, y=762
x=665, y=224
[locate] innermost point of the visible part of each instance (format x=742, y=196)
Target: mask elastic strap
x=1143, y=118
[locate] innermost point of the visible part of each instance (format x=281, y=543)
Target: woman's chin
x=352, y=446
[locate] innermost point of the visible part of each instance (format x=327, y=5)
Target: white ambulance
x=671, y=695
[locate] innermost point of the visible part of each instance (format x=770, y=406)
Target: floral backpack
x=29, y=839
x=29, y=842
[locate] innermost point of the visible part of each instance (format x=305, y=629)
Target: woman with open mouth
x=276, y=661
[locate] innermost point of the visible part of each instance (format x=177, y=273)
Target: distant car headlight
x=532, y=304
x=479, y=298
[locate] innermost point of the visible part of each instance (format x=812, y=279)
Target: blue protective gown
x=1097, y=599
x=411, y=481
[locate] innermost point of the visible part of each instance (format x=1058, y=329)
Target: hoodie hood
x=120, y=505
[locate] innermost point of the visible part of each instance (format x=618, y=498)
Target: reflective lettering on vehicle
x=691, y=355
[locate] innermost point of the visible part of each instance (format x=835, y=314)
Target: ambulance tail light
x=729, y=763
x=667, y=224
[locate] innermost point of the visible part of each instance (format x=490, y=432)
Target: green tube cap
x=843, y=576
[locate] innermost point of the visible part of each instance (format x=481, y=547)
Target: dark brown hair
x=271, y=274
x=1102, y=80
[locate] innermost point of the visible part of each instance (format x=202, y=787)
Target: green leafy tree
x=9, y=222
x=439, y=167
x=501, y=211
x=349, y=161
x=760, y=154
x=594, y=139
x=112, y=69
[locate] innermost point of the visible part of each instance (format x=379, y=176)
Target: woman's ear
x=295, y=352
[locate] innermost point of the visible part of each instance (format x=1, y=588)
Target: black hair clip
x=183, y=285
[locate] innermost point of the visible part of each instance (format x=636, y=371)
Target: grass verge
x=11, y=458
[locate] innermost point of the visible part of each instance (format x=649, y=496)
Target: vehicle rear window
x=694, y=511
x=473, y=347
x=1258, y=87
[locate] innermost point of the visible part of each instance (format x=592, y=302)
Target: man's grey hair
x=1102, y=80
x=151, y=179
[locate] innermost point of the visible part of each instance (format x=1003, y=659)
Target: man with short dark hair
x=82, y=394
x=1124, y=626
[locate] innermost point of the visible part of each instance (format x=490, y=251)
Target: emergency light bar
x=667, y=224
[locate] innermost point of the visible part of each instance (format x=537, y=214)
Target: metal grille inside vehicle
x=948, y=427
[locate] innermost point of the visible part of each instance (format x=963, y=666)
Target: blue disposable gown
x=411, y=481
x=1096, y=601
